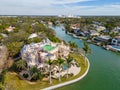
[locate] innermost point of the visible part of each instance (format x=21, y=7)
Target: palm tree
x=73, y=45
x=60, y=61
x=50, y=63
x=86, y=50
x=21, y=65
x=68, y=60
x=35, y=73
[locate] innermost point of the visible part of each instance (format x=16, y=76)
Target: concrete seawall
x=69, y=82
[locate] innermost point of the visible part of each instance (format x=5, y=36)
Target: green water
x=104, y=73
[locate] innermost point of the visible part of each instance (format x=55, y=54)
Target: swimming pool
x=64, y=66
x=116, y=47
x=48, y=47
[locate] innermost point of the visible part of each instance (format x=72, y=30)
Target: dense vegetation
x=23, y=28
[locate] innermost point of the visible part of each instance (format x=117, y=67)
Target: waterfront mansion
x=38, y=53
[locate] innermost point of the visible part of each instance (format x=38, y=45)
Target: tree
x=86, y=50
x=2, y=79
x=60, y=61
x=14, y=48
x=1, y=38
x=67, y=28
x=112, y=35
x=20, y=65
x=35, y=40
x=73, y=44
x=68, y=61
x=50, y=63
x=35, y=73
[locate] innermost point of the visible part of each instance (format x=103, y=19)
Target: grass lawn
x=13, y=82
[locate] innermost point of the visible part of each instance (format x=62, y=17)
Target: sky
x=60, y=7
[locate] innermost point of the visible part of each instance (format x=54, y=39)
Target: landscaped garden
x=14, y=82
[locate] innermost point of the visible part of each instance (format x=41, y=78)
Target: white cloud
x=49, y=7
x=70, y=1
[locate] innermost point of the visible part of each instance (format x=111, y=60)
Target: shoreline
x=106, y=47
x=69, y=82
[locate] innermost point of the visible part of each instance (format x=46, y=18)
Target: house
x=75, y=26
x=10, y=28
x=100, y=28
x=33, y=35
x=102, y=38
x=116, y=41
x=93, y=33
x=97, y=23
x=78, y=32
x=4, y=35
x=50, y=23
x=38, y=53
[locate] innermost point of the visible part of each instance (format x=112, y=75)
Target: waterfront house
x=50, y=23
x=75, y=26
x=101, y=39
x=78, y=32
x=93, y=33
x=38, y=53
x=116, y=41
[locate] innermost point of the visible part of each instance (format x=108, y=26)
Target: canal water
x=104, y=73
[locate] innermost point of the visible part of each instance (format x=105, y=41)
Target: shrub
x=25, y=75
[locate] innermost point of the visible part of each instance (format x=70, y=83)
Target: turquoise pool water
x=64, y=66
x=116, y=47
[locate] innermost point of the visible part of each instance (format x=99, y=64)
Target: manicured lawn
x=15, y=83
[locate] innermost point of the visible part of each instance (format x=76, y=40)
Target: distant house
x=100, y=28
x=117, y=28
x=116, y=41
x=94, y=33
x=97, y=23
x=105, y=31
x=33, y=35
x=50, y=23
x=79, y=32
x=101, y=39
x=10, y=28
x=4, y=35
x=75, y=26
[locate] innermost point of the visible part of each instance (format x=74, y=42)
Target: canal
x=104, y=73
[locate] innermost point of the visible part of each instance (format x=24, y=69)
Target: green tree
x=86, y=50
x=20, y=65
x=2, y=79
x=14, y=48
x=35, y=74
x=50, y=63
x=35, y=40
x=69, y=59
x=67, y=27
x=113, y=34
x=73, y=44
x=60, y=61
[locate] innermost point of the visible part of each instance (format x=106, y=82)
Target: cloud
x=56, y=7
x=70, y=1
